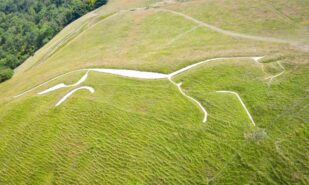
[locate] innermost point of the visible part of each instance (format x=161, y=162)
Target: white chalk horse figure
x=140, y=75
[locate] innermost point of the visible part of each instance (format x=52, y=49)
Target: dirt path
x=69, y=38
x=271, y=78
x=236, y=34
x=75, y=34
x=181, y=35
x=242, y=103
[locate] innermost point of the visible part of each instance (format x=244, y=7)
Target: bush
x=5, y=74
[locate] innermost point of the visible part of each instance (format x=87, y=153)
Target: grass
x=134, y=131
x=129, y=43
x=280, y=18
x=279, y=112
x=137, y=131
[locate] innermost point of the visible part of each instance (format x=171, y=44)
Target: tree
x=11, y=61
x=26, y=25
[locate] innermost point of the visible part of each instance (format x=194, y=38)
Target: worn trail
x=237, y=34
x=271, y=78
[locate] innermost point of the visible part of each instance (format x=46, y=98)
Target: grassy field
x=135, y=135
x=276, y=18
x=280, y=112
x=133, y=131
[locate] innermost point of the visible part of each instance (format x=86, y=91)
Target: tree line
x=26, y=25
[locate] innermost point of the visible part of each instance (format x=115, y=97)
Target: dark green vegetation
x=5, y=73
x=26, y=25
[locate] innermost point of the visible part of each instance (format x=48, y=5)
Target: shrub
x=5, y=74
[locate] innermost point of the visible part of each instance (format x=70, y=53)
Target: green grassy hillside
x=139, y=131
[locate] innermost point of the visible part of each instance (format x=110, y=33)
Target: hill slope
x=243, y=66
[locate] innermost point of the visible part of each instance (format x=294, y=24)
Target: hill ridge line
x=64, y=42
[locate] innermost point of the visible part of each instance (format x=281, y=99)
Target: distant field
x=137, y=131
x=276, y=18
